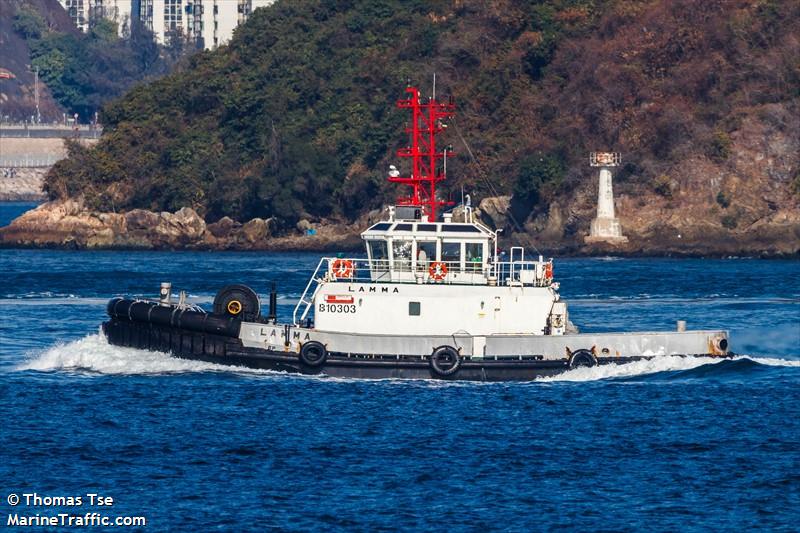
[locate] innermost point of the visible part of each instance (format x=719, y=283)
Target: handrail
x=309, y=302
x=28, y=162
x=404, y=270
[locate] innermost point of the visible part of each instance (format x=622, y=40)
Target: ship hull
x=230, y=351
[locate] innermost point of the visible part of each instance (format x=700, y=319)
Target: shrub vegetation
x=295, y=118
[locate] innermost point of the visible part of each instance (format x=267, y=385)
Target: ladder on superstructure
x=310, y=301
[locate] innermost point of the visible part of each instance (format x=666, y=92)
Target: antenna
x=434, y=85
x=426, y=124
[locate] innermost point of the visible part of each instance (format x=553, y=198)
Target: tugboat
x=431, y=299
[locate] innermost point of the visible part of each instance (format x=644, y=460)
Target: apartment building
x=207, y=23
x=82, y=12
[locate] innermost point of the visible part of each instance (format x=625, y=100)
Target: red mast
x=426, y=123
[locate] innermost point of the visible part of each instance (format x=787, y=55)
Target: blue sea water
x=668, y=444
x=11, y=210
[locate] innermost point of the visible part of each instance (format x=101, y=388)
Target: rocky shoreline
x=68, y=224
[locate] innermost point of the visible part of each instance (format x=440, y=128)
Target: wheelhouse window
x=379, y=254
x=426, y=254
x=451, y=254
x=402, y=252
x=473, y=256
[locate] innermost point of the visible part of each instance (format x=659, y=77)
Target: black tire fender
x=313, y=353
x=445, y=361
x=582, y=357
x=238, y=301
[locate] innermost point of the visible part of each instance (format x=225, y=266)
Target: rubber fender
x=111, y=308
x=171, y=316
x=313, y=353
x=248, y=302
x=225, y=326
x=445, y=361
x=582, y=357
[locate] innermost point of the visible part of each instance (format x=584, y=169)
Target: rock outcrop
x=653, y=228
x=69, y=224
x=494, y=210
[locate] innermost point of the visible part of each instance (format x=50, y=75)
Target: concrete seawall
x=22, y=184
x=24, y=161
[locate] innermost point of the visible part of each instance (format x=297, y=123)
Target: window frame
x=460, y=243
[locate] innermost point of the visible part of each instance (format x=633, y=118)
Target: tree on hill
x=29, y=23
x=295, y=118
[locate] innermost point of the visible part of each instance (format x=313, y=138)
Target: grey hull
x=379, y=364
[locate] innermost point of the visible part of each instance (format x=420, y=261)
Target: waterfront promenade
x=27, y=151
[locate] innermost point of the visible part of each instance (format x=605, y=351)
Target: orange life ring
x=548, y=271
x=437, y=270
x=342, y=268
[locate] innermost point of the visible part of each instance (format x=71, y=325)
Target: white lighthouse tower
x=605, y=227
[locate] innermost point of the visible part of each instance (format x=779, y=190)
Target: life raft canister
x=342, y=268
x=437, y=270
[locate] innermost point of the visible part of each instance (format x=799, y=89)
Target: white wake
x=770, y=361
x=662, y=363
x=93, y=354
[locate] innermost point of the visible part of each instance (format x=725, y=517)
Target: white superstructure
x=433, y=278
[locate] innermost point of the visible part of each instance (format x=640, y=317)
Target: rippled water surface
x=666, y=444
x=11, y=210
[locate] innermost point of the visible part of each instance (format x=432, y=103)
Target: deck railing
x=523, y=272
x=403, y=270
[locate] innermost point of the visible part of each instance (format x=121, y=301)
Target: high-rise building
x=207, y=23
x=82, y=12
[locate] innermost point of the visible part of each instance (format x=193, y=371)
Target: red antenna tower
x=426, y=123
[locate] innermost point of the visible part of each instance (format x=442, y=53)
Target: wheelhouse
x=414, y=251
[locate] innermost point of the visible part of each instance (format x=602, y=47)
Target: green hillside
x=296, y=119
